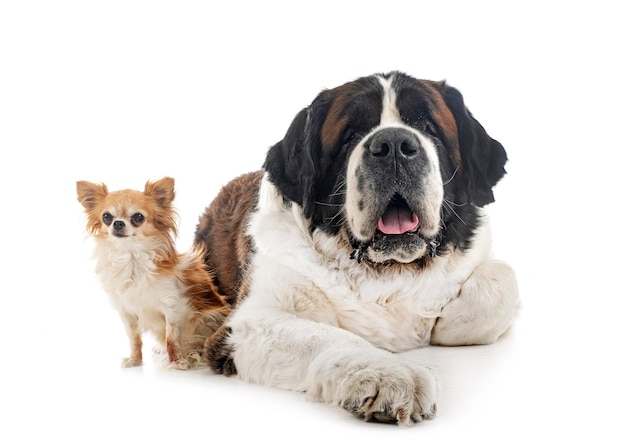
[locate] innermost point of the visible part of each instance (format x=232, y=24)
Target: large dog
x=363, y=235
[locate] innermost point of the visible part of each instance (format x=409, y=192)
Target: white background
x=122, y=91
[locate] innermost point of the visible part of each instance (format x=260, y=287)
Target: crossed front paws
x=385, y=390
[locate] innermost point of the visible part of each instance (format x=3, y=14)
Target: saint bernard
x=364, y=235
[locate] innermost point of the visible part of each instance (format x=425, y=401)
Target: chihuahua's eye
x=107, y=218
x=137, y=219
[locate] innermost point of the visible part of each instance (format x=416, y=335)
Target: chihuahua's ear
x=161, y=191
x=90, y=194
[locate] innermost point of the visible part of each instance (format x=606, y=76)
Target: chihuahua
x=153, y=287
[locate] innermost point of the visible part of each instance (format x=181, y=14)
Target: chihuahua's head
x=129, y=215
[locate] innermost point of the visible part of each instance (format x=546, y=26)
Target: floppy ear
x=482, y=158
x=293, y=163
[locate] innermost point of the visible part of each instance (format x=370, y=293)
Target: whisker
x=338, y=214
x=447, y=203
x=453, y=203
x=451, y=177
x=338, y=192
x=339, y=189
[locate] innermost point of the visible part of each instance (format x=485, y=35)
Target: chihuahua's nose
x=118, y=225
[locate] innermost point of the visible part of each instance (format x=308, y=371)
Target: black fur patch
x=219, y=352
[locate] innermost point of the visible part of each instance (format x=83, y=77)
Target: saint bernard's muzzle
x=394, y=193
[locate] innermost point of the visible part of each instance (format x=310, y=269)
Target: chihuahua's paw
x=157, y=350
x=196, y=360
x=179, y=364
x=131, y=362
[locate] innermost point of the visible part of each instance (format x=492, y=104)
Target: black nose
x=394, y=142
x=118, y=225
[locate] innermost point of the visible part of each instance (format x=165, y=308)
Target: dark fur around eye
x=107, y=218
x=137, y=219
x=347, y=137
x=422, y=123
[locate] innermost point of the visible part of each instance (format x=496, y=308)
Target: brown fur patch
x=201, y=291
x=222, y=233
x=444, y=117
x=336, y=121
x=172, y=351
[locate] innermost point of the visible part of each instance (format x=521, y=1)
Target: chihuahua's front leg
x=173, y=346
x=134, y=338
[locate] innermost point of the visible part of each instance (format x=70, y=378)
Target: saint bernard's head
x=395, y=165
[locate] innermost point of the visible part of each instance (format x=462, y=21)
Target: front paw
x=131, y=362
x=390, y=393
x=179, y=364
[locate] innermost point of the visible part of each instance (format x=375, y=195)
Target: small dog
x=152, y=286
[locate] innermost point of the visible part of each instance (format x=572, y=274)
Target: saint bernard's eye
x=422, y=123
x=348, y=137
x=429, y=128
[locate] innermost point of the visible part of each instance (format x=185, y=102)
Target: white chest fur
x=313, y=277
x=137, y=289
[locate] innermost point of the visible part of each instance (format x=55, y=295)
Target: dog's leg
x=332, y=365
x=173, y=346
x=134, y=338
x=484, y=309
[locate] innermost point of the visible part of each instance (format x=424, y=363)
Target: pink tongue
x=397, y=221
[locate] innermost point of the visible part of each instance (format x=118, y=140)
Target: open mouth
x=397, y=236
x=398, y=218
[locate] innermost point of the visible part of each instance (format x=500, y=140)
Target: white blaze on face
x=359, y=204
x=390, y=115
